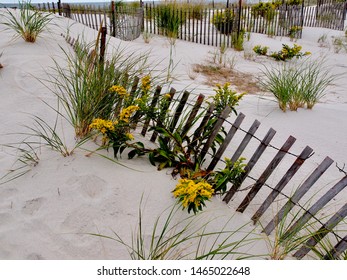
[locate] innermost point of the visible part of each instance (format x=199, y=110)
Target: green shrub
x=258, y=49
x=266, y=10
x=287, y=53
x=223, y=21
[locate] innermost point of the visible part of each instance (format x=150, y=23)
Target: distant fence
x=197, y=25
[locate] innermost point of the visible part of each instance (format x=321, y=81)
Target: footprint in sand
x=31, y=206
x=90, y=186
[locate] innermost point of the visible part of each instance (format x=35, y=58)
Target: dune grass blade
x=183, y=238
x=83, y=86
x=27, y=23
x=297, y=85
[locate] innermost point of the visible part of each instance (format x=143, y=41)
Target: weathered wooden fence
x=178, y=115
x=198, y=26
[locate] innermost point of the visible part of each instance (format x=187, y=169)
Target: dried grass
x=215, y=74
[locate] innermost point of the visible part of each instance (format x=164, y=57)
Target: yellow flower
x=103, y=125
x=167, y=96
x=129, y=136
x=146, y=83
x=126, y=113
x=189, y=192
x=121, y=91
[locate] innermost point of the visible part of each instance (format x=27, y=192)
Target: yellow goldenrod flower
x=103, y=125
x=121, y=91
x=126, y=113
x=146, y=83
x=192, y=193
x=129, y=136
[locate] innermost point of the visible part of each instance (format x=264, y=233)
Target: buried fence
x=186, y=116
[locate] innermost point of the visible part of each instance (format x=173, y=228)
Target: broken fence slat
x=305, y=154
x=266, y=174
x=299, y=193
x=254, y=159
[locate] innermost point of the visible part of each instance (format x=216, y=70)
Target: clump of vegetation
x=192, y=194
x=29, y=23
x=298, y=85
x=258, y=49
x=287, y=53
x=223, y=21
x=294, y=31
x=266, y=10
x=169, y=20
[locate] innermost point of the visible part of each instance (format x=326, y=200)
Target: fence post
x=113, y=19
x=239, y=19
x=103, y=44
x=59, y=7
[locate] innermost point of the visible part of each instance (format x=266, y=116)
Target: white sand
x=46, y=213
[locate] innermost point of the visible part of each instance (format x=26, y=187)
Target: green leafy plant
x=287, y=52
x=28, y=23
x=258, y=49
x=225, y=96
x=265, y=10
x=223, y=21
x=238, y=40
x=294, y=31
x=231, y=173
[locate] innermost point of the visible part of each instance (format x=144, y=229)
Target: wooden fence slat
x=245, y=140
x=254, y=159
x=305, y=154
x=266, y=174
x=299, y=193
x=162, y=114
x=226, y=141
x=214, y=132
x=201, y=127
x=339, y=248
x=329, y=195
x=323, y=231
x=192, y=115
x=179, y=110
x=151, y=109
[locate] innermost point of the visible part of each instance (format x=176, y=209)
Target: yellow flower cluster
x=192, y=192
x=126, y=113
x=129, y=136
x=146, y=83
x=121, y=91
x=103, y=125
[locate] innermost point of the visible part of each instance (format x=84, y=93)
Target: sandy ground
x=48, y=212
